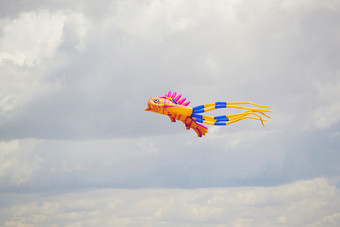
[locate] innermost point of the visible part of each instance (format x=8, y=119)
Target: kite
x=177, y=108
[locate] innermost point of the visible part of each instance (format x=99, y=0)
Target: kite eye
x=156, y=100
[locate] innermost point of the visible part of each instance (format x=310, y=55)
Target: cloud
x=18, y=164
x=302, y=203
x=310, y=5
x=77, y=148
x=37, y=41
x=247, y=158
x=85, y=70
x=29, y=45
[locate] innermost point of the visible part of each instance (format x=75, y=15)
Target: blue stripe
x=174, y=101
x=219, y=123
x=221, y=118
x=220, y=105
x=199, y=120
x=198, y=111
x=198, y=107
x=197, y=116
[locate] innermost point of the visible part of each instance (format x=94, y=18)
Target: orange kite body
x=177, y=108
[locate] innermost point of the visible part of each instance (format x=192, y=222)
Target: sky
x=78, y=149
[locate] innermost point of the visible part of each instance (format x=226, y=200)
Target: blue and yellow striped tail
x=228, y=119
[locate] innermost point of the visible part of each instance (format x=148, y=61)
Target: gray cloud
x=75, y=78
x=303, y=203
x=244, y=158
x=90, y=77
x=143, y=50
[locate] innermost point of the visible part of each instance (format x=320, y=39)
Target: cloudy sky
x=78, y=149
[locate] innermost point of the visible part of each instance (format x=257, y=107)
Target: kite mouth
x=149, y=105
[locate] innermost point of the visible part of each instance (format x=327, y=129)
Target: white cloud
x=303, y=203
x=261, y=52
x=78, y=77
x=180, y=160
x=31, y=37
x=28, y=53
x=18, y=164
x=327, y=112
x=310, y=4
x=138, y=162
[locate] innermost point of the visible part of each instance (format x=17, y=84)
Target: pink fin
x=181, y=101
x=178, y=97
x=173, y=95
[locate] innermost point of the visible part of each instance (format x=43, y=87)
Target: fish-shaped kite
x=177, y=108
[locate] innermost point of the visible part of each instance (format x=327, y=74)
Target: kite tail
x=228, y=119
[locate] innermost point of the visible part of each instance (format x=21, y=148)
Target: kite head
x=157, y=103
x=170, y=99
